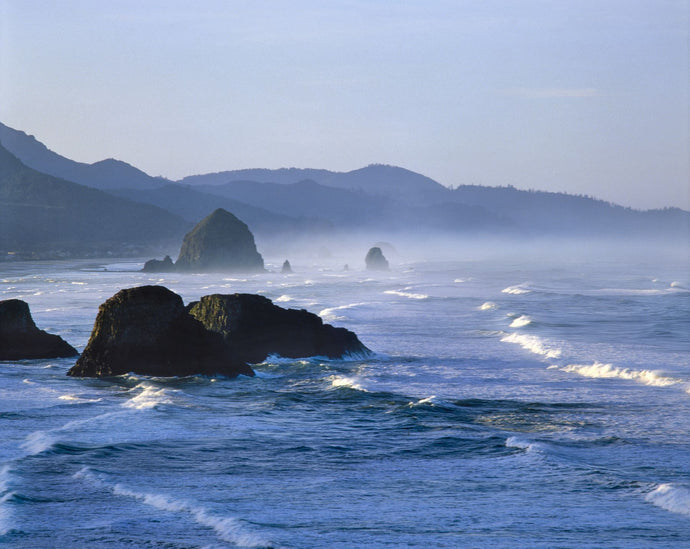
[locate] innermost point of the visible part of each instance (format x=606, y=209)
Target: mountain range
x=50, y=202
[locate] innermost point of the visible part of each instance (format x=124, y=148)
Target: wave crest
x=600, y=370
x=521, y=321
x=671, y=498
x=533, y=344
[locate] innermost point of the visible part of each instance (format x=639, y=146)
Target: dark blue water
x=509, y=404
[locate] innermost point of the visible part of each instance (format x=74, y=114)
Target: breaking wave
x=670, y=497
x=518, y=289
x=599, y=370
x=533, y=344
x=521, y=321
x=409, y=295
x=329, y=314
x=229, y=529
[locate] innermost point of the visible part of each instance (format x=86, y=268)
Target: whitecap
x=670, y=497
x=409, y=295
x=342, y=381
x=228, y=529
x=488, y=306
x=421, y=402
x=283, y=299
x=521, y=321
x=533, y=344
x=329, y=315
x=523, y=444
x=516, y=290
x=599, y=370
x=37, y=442
x=149, y=397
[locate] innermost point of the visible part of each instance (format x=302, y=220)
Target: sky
x=584, y=96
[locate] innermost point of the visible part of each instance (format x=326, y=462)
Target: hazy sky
x=580, y=96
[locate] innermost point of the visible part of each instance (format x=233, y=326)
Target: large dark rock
x=220, y=242
x=375, y=260
x=147, y=331
x=255, y=328
x=286, y=268
x=21, y=339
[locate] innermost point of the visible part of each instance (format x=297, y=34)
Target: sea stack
x=254, y=328
x=219, y=242
x=158, y=266
x=20, y=338
x=375, y=260
x=287, y=268
x=147, y=331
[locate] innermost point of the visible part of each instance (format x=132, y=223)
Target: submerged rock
x=287, y=268
x=375, y=260
x=21, y=339
x=220, y=242
x=158, y=266
x=255, y=328
x=147, y=331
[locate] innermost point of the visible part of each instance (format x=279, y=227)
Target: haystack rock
x=255, y=328
x=21, y=339
x=147, y=331
x=375, y=260
x=219, y=242
x=287, y=268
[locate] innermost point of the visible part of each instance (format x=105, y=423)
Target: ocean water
x=509, y=403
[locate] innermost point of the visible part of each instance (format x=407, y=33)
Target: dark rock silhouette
x=21, y=339
x=287, y=268
x=375, y=260
x=255, y=328
x=147, y=331
x=158, y=266
x=219, y=242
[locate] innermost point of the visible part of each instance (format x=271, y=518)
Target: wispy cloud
x=547, y=93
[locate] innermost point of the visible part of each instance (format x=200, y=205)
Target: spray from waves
x=518, y=289
x=521, y=321
x=488, y=306
x=599, y=370
x=5, y=495
x=670, y=497
x=330, y=315
x=149, y=397
x=283, y=299
x=229, y=529
x=533, y=344
x=409, y=295
x=338, y=382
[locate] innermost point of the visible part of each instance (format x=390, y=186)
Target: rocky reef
x=219, y=242
x=148, y=330
x=375, y=260
x=21, y=339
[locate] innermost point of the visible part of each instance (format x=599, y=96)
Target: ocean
x=511, y=401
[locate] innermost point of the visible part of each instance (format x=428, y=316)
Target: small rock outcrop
x=219, y=242
x=147, y=331
x=21, y=339
x=287, y=268
x=158, y=266
x=255, y=328
x=375, y=260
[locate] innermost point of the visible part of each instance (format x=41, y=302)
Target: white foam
x=74, y=398
x=342, y=381
x=599, y=370
x=428, y=400
x=522, y=444
x=461, y=280
x=670, y=497
x=521, y=321
x=488, y=306
x=229, y=529
x=37, y=442
x=283, y=299
x=409, y=295
x=516, y=290
x=149, y=397
x=533, y=344
x=329, y=314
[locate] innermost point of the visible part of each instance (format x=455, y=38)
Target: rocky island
x=20, y=338
x=375, y=260
x=219, y=242
x=148, y=330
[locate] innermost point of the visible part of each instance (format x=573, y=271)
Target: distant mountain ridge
x=287, y=202
x=105, y=174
